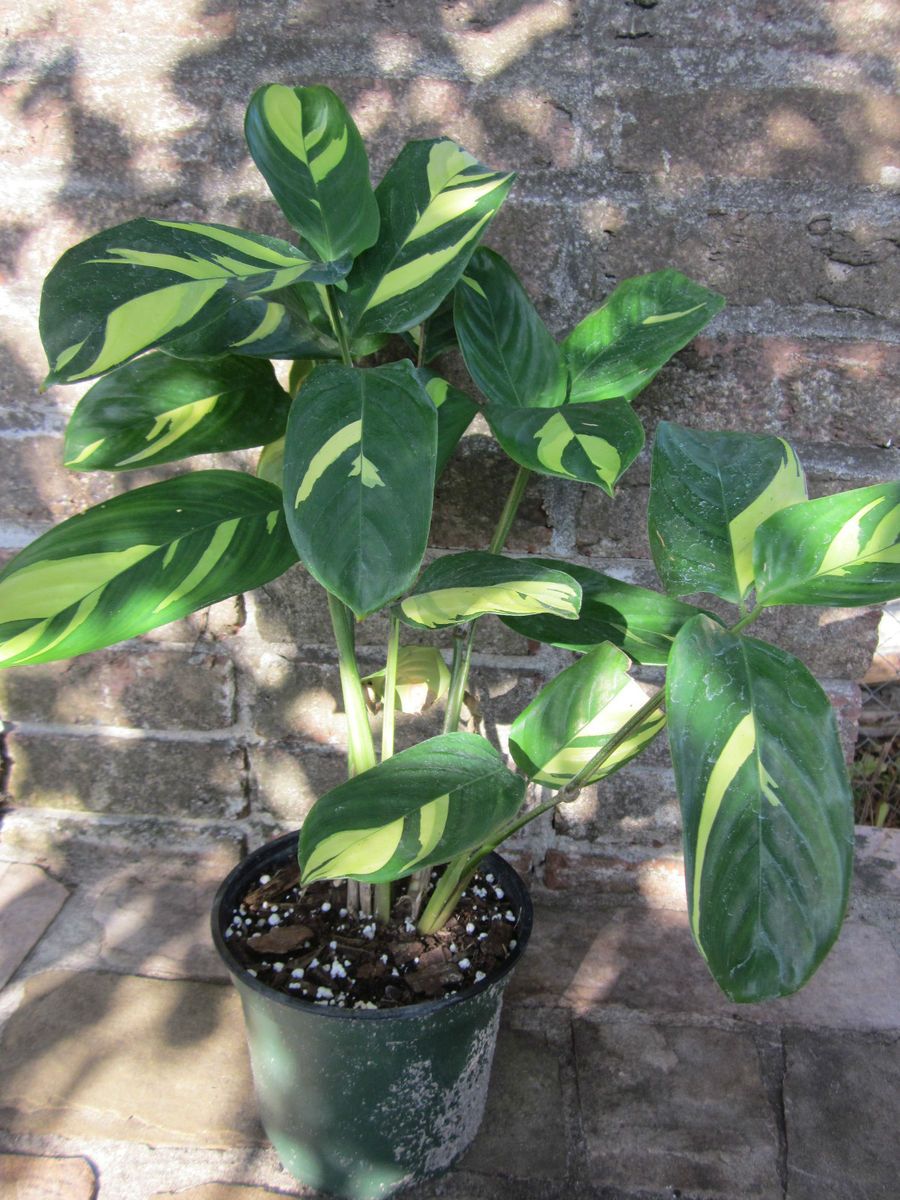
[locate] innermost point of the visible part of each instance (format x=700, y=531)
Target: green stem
x=447, y=893
x=510, y=508
x=338, y=325
x=383, y=891
x=577, y=782
x=420, y=353
x=463, y=638
x=359, y=733
x=445, y=896
x=390, y=687
x=746, y=620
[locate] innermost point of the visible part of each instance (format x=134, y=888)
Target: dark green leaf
x=593, y=443
x=359, y=467
x=435, y=202
x=575, y=716
x=459, y=587
x=618, y=349
x=766, y=809
x=642, y=622
x=311, y=154
x=508, y=349
x=144, y=283
x=274, y=327
x=157, y=409
x=709, y=492
x=455, y=413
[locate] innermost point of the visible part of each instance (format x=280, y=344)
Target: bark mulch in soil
x=307, y=944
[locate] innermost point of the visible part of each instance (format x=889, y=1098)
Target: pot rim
x=273, y=851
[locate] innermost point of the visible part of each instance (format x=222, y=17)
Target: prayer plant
x=178, y=321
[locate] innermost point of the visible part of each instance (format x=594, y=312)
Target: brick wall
x=748, y=144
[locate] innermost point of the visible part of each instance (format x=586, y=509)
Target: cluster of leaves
x=178, y=320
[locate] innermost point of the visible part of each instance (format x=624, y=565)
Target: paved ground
x=621, y=1073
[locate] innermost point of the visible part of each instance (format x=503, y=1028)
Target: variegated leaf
x=143, y=283
x=618, y=349
x=460, y=587
x=309, y=151
x=839, y=550
x=157, y=409
x=422, y=679
x=455, y=413
x=359, y=466
x=575, y=716
x=709, y=493
x=260, y=327
x=423, y=806
x=436, y=202
x=766, y=809
x=508, y=349
x=641, y=622
x=139, y=561
x=593, y=443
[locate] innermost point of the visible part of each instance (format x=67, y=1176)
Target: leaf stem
x=337, y=322
x=390, y=687
x=420, y=350
x=383, y=891
x=436, y=911
x=510, y=508
x=746, y=619
x=360, y=745
x=359, y=733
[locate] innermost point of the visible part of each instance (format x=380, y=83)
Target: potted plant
x=356, y=945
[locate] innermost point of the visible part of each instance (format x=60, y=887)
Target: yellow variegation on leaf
x=422, y=806
x=460, y=587
x=139, y=561
x=837, y=550
x=148, y=282
x=422, y=679
x=576, y=715
x=709, y=493
x=766, y=809
x=435, y=202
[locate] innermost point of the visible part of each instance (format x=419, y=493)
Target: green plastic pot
x=363, y=1102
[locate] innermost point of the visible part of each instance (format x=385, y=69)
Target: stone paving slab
x=97, y=1055
x=589, y=955
x=34, y=1177
x=29, y=900
x=669, y=1107
x=149, y=917
x=526, y=1094
x=840, y=1103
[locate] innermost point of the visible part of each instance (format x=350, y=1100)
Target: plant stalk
x=383, y=891
x=337, y=322
x=360, y=744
